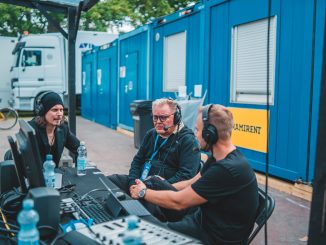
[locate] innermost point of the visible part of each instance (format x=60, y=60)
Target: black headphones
x=177, y=115
x=38, y=105
x=209, y=132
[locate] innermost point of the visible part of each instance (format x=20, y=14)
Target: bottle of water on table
x=132, y=235
x=27, y=219
x=48, y=171
x=81, y=159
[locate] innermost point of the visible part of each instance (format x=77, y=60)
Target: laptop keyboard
x=134, y=207
x=86, y=208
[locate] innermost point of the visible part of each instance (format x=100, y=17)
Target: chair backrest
x=264, y=212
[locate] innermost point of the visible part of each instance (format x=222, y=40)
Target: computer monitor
x=31, y=158
x=18, y=164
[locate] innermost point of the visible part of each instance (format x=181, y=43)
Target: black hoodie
x=178, y=159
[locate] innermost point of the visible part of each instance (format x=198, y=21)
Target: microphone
x=166, y=128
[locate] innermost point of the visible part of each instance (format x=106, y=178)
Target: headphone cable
x=267, y=123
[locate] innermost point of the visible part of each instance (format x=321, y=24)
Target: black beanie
x=49, y=100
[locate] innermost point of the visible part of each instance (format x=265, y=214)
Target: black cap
x=49, y=100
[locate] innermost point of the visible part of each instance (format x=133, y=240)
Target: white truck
x=41, y=64
x=7, y=44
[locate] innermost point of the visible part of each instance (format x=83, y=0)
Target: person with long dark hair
x=51, y=127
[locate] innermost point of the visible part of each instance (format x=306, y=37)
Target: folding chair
x=263, y=213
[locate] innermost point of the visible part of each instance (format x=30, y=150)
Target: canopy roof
x=59, y=6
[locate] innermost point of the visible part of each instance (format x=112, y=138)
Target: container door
x=128, y=88
x=102, y=114
x=86, y=91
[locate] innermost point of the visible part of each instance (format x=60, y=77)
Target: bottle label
x=81, y=164
x=50, y=181
x=147, y=167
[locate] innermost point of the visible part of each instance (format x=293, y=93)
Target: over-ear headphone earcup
x=39, y=109
x=177, y=116
x=38, y=106
x=210, y=134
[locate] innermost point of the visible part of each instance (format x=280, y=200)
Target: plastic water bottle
x=48, y=171
x=27, y=219
x=81, y=159
x=132, y=236
x=146, y=169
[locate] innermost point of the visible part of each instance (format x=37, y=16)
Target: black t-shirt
x=230, y=187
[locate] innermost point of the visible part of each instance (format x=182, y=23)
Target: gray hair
x=170, y=102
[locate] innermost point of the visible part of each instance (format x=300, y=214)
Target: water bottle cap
x=28, y=204
x=132, y=221
x=49, y=157
x=82, y=142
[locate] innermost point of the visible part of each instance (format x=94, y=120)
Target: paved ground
x=112, y=152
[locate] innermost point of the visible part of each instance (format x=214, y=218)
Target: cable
x=5, y=223
x=8, y=231
x=59, y=236
x=11, y=225
x=67, y=188
x=267, y=115
x=47, y=227
x=83, y=196
x=312, y=77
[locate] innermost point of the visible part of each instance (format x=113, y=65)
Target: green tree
x=15, y=20
x=106, y=14
x=147, y=9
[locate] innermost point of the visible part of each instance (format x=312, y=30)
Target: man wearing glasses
x=225, y=189
x=169, y=150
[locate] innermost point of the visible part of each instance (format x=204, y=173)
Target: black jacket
x=177, y=160
x=63, y=138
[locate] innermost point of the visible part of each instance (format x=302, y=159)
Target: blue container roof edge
x=179, y=14
x=134, y=32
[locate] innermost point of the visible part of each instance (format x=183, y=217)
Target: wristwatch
x=142, y=193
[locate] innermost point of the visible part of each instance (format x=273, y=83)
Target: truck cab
x=39, y=66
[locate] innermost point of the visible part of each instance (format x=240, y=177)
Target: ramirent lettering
x=247, y=128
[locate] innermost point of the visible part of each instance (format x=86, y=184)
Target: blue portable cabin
x=107, y=84
x=177, y=52
x=89, y=90
x=236, y=49
x=133, y=72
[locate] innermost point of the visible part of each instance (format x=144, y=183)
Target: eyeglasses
x=162, y=118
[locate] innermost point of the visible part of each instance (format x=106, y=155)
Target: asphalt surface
x=112, y=152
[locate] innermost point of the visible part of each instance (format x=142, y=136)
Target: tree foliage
x=106, y=14
x=147, y=9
